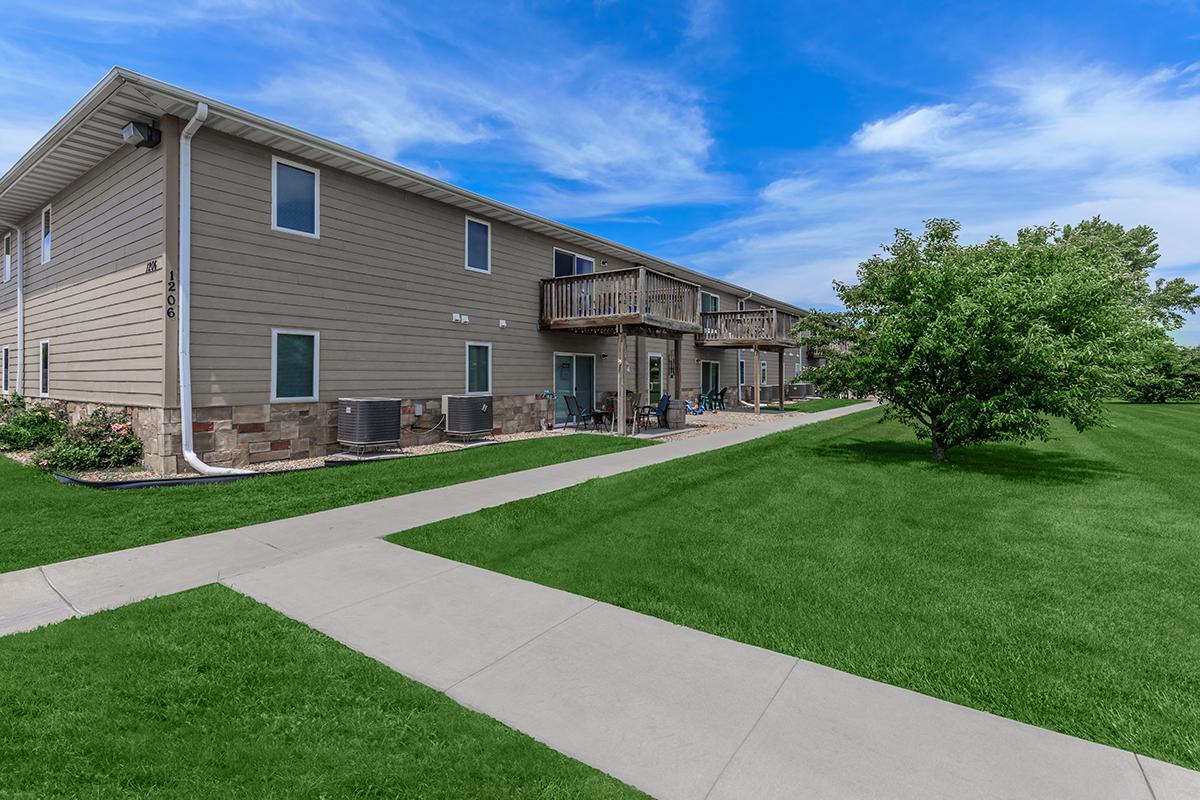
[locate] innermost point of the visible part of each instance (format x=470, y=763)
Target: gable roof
x=91, y=131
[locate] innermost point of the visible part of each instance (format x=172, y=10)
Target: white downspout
x=185, y=296
x=20, y=307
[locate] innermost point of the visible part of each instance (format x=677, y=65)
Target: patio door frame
x=704, y=364
x=574, y=376
x=662, y=376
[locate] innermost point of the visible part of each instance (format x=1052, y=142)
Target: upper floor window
x=568, y=263
x=479, y=245
x=295, y=198
x=709, y=302
x=741, y=305
x=295, y=365
x=46, y=238
x=8, y=258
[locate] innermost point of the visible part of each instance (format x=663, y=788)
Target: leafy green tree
x=987, y=342
x=1167, y=372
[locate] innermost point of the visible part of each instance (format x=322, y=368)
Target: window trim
x=741, y=371
x=43, y=368
x=275, y=226
x=741, y=304
x=46, y=253
x=575, y=265
x=4, y=365
x=662, y=372
x=762, y=371
x=713, y=295
x=467, y=367
x=275, y=364
x=703, y=362
x=8, y=254
x=467, y=244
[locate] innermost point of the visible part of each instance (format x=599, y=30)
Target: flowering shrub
x=28, y=427
x=102, y=440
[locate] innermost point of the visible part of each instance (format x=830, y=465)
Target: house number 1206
x=171, y=293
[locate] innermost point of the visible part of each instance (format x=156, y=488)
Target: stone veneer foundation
x=238, y=436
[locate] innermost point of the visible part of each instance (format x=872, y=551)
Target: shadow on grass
x=1009, y=461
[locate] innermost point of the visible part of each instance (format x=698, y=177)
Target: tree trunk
x=935, y=434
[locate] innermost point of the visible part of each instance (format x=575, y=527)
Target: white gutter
x=185, y=297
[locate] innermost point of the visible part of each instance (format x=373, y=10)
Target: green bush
x=101, y=441
x=10, y=404
x=29, y=427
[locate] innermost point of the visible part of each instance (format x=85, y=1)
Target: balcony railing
x=760, y=326
x=635, y=297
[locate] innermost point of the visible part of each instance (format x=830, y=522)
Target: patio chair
x=658, y=412
x=577, y=413
x=721, y=398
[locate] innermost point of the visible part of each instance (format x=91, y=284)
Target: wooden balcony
x=640, y=300
x=765, y=328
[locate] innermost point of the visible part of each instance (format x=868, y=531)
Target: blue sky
x=775, y=144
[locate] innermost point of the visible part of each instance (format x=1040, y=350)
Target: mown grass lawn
x=45, y=521
x=209, y=694
x=819, y=404
x=1057, y=584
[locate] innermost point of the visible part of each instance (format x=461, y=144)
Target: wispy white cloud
x=181, y=12
x=1024, y=147
x=592, y=137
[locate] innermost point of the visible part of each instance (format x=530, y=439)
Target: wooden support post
x=757, y=380
x=619, y=402
x=781, y=380
x=678, y=394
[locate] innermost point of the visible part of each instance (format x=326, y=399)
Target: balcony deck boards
x=764, y=328
x=639, y=300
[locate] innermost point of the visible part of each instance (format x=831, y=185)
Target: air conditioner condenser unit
x=467, y=415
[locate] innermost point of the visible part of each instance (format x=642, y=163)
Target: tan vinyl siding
x=95, y=301
x=380, y=285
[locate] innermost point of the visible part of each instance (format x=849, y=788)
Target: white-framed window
x=568, y=263
x=709, y=302
x=710, y=376
x=741, y=305
x=4, y=386
x=295, y=365
x=797, y=367
x=479, y=367
x=7, y=257
x=478, y=245
x=741, y=372
x=295, y=198
x=44, y=367
x=47, y=237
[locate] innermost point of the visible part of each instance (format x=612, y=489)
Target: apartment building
x=184, y=259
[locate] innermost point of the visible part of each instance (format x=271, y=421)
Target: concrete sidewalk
x=41, y=595
x=676, y=712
